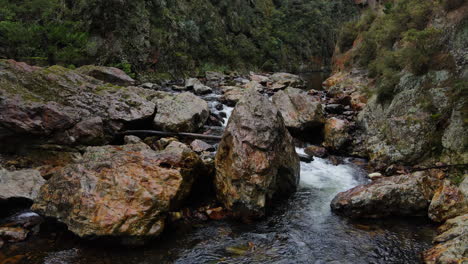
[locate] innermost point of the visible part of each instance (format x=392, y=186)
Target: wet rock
x=214, y=76
x=87, y=132
x=259, y=78
x=232, y=95
x=13, y=234
x=184, y=112
x=107, y=74
x=316, y=151
x=120, y=191
x=298, y=109
x=132, y=140
x=449, y=201
x=25, y=219
x=405, y=195
x=256, y=160
x=450, y=243
x=336, y=133
x=20, y=184
x=197, y=87
x=200, y=146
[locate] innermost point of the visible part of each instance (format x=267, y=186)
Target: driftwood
x=305, y=158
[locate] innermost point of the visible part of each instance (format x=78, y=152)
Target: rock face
x=65, y=106
x=451, y=242
x=405, y=195
x=299, y=111
x=256, y=160
x=120, y=191
x=182, y=113
x=449, y=201
x=336, y=134
x=20, y=184
x=107, y=74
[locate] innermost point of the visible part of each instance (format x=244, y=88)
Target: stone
x=450, y=243
x=13, y=234
x=259, y=78
x=335, y=108
x=184, y=112
x=200, y=146
x=375, y=176
x=256, y=162
x=316, y=151
x=197, y=87
x=65, y=106
x=287, y=79
x=336, y=134
x=214, y=76
x=120, y=191
x=132, y=140
x=449, y=201
x=404, y=195
x=298, y=109
x=107, y=74
x=20, y=184
x=232, y=95
x=147, y=85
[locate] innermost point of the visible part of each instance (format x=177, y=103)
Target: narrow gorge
x=212, y=131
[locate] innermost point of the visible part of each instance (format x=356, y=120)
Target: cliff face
x=408, y=58
x=174, y=36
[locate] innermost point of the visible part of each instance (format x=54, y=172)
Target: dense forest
x=173, y=36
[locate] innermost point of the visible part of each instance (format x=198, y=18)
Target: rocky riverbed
x=98, y=196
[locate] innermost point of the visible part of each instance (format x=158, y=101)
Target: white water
x=228, y=110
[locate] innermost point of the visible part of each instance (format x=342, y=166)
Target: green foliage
x=347, y=36
x=36, y=28
x=126, y=67
x=450, y=5
x=398, y=39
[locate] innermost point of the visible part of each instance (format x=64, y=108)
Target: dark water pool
x=300, y=230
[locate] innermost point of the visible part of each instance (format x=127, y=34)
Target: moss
x=110, y=88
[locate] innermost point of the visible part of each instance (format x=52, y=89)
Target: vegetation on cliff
x=174, y=36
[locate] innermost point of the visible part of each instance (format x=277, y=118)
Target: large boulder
x=404, y=195
x=20, y=184
x=449, y=201
x=299, y=110
x=184, y=112
x=197, y=87
x=286, y=79
x=450, y=243
x=120, y=191
x=256, y=160
x=107, y=74
x=66, y=106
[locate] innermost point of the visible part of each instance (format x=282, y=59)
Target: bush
x=452, y=4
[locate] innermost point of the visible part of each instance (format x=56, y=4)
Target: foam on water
x=228, y=110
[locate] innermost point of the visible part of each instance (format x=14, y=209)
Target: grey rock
x=20, y=184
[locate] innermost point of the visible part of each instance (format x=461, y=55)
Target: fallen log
x=302, y=157
x=171, y=134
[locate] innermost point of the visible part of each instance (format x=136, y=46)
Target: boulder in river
x=449, y=201
x=120, y=191
x=404, y=195
x=232, y=95
x=300, y=112
x=197, y=86
x=336, y=133
x=184, y=112
x=20, y=184
x=256, y=160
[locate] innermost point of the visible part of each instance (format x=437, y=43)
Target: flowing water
x=300, y=230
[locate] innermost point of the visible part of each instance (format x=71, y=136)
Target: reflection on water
x=300, y=230
x=314, y=80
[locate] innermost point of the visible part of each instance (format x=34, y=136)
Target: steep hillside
x=406, y=59
x=173, y=36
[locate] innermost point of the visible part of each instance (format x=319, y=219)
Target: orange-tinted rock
x=120, y=191
x=449, y=201
x=256, y=160
x=404, y=195
x=336, y=133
